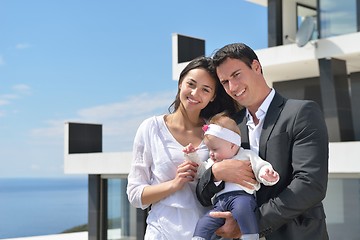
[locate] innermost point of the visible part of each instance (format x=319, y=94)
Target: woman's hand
x=230, y=229
x=185, y=173
x=235, y=171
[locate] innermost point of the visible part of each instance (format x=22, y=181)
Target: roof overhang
x=289, y=61
x=265, y=2
x=259, y=2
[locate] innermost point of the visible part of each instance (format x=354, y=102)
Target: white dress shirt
x=255, y=130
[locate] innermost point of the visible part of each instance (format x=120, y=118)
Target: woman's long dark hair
x=222, y=100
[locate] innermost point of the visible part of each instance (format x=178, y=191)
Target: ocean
x=41, y=206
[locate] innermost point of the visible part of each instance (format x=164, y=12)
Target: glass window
x=342, y=208
x=337, y=17
x=303, y=12
x=121, y=215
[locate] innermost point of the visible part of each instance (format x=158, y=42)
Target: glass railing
x=337, y=17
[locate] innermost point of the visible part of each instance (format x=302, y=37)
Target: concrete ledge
x=64, y=236
x=98, y=163
x=344, y=158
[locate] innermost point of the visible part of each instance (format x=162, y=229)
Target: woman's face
x=197, y=89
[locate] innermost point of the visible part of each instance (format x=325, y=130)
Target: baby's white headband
x=223, y=133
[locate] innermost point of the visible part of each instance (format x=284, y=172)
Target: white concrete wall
x=64, y=236
x=344, y=158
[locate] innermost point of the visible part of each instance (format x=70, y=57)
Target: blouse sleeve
x=140, y=174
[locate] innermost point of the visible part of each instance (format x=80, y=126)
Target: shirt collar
x=261, y=112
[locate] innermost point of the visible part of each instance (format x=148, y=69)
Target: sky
x=106, y=62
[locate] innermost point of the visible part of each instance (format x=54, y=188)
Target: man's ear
x=256, y=66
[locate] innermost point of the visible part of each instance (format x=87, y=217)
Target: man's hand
x=235, y=171
x=230, y=229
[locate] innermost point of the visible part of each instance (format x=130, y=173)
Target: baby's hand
x=190, y=154
x=270, y=175
x=189, y=149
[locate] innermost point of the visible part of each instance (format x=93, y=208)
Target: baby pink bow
x=205, y=127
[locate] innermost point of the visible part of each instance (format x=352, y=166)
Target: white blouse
x=156, y=155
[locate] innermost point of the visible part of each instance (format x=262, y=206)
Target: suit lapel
x=244, y=134
x=273, y=113
x=240, y=119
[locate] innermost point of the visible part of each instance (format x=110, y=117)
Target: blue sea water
x=41, y=206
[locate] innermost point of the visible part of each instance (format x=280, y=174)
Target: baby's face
x=220, y=149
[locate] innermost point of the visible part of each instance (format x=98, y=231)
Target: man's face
x=239, y=80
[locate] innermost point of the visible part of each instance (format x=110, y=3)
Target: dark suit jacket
x=294, y=140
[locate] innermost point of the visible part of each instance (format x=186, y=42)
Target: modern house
x=313, y=53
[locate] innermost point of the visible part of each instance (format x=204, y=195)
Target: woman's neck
x=188, y=121
x=185, y=128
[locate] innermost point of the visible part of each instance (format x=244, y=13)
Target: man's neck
x=253, y=109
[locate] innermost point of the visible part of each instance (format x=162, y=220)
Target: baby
x=222, y=137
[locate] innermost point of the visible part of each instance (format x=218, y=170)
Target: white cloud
x=18, y=91
x=136, y=105
x=22, y=88
x=22, y=45
x=3, y=101
x=120, y=120
x=55, y=129
x=9, y=96
x=35, y=166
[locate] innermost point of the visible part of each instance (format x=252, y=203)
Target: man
x=290, y=134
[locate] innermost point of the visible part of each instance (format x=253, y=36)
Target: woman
x=159, y=175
